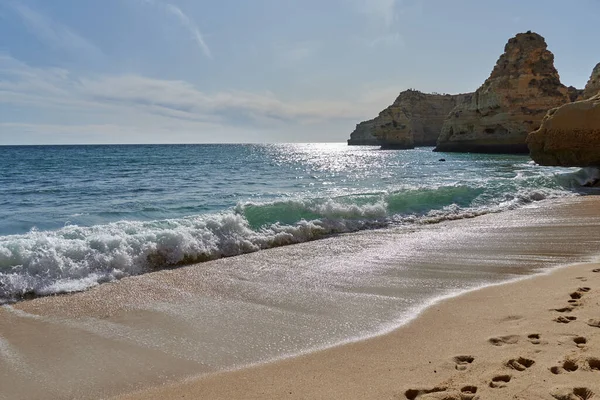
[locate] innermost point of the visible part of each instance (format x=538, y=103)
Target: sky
x=247, y=71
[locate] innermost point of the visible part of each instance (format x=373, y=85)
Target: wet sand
x=193, y=323
x=535, y=339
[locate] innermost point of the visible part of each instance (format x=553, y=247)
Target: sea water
x=73, y=217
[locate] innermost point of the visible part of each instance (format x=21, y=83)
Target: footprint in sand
x=596, y=270
x=580, y=341
x=468, y=392
x=578, y=393
x=563, y=309
x=412, y=394
x=581, y=278
x=567, y=366
x=578, y=294
x=574, y=303
x=534, y=338
x=503, y=340
x=520, y=364
x=462, y=362
x=511, y=318
x=593, y=363
x=594, y=323
x=500, y=381
x=564, y=320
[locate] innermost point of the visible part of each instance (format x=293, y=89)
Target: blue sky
x=200, y=71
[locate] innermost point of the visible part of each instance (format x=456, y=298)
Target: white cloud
x=133, y=103
x=186, y=22
x=53, y=33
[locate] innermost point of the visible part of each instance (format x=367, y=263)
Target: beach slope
x=538, y=338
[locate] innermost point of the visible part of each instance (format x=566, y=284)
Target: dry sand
x=534, y=339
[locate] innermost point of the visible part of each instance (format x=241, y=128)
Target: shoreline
x=150, y=335
x=368, y=368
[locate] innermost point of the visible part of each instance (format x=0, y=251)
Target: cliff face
x=522, y=87
x=593, y=86
x=363, y=135
x=414, y=119
x=569, y=135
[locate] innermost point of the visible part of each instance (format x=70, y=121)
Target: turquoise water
x=72, y=217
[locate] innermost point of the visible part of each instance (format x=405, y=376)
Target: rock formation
x=522, y=87
x=574, y=93
x=593, y=86
x=569, y=135
x=414, y=119
x=363, y=134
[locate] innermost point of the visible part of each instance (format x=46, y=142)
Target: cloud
x=390, y=39
x=382, y=26
x=186, y=22
x=135, y=103
x=53, y=33
x=380, y=12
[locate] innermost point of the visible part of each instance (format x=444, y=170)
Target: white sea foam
x=75, y=258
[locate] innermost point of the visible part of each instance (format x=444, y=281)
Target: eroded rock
x=512, y=102
x=569, y=135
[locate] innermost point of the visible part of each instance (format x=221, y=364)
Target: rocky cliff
x=363, y=134
x=414, y=119
x=522, y=87
x=569, y=135
x=593, y=86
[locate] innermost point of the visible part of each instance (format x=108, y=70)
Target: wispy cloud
x=382, y=27
x=185, y=21
x=138, y=101
x=390, y=39
x=53, y=33
x=380, y=12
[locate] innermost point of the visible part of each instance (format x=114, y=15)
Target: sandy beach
x=256, y=200
x=272, y=324
x=535, y=339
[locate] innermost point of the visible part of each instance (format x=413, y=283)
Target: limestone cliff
x=414, y=119
x=522, y=87
x=363, y=134
x=569, y=135
x=593, y=86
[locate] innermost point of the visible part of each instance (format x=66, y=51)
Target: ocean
x=74, y=217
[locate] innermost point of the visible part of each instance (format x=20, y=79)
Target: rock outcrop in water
x=569, y=135
x=512, y=102
x=414, y=119
x=363, y=134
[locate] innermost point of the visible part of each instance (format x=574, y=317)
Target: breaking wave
x=75, y=258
